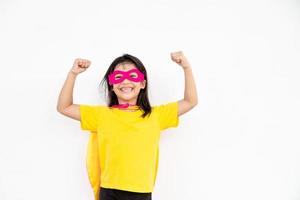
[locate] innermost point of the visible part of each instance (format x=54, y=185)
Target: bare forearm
x=190, y=99
x=66, y=94
x=190, y=91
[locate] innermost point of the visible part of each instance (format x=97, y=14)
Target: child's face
x=127, y=91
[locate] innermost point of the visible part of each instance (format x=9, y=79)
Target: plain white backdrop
x=240, y=142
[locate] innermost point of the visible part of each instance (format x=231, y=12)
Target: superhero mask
x=119, y=76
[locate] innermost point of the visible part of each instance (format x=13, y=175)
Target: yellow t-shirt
x=128, y=145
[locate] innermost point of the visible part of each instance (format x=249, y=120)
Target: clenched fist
x=179, y=58
x=80, y=65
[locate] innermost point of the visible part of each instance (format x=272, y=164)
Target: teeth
x=126, y=89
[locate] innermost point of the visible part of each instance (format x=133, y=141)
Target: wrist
x=73, y=74
x=187, y=67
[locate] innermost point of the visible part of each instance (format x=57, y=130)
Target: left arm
x=190, y=99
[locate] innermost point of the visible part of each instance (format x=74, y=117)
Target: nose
x=126, y=81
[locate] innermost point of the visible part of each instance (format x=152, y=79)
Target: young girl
x=123, y=149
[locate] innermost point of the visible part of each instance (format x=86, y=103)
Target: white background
x=240, y=142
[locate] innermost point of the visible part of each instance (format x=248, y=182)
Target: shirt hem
x=126, y=188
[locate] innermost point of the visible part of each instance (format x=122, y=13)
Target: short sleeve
x=168, y=115
x=89, y=115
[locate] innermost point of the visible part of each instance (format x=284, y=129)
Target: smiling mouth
x=126, y=89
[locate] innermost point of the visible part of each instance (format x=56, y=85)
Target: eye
x=118, y=76
x=133, y=75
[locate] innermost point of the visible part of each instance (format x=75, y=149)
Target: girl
x=123, y=149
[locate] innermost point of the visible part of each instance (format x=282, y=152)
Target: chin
x=129, y=97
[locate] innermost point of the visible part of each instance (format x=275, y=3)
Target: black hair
x=142, y=100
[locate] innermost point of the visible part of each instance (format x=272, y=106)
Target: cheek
x=115, y=87
x=138, y=86
x=142, y=84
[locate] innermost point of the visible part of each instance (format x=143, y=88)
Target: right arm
x=65, y=104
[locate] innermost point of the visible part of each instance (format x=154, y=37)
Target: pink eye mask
x=119, y=76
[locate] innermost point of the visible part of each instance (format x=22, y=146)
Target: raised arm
x=190, y=99
x=65, y=104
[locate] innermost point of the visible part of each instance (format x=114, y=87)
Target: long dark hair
x=142, y=100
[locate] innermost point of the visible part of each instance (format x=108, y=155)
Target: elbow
x=191, y=102
x=59, y=109
x=194, y=103
x=63, y=109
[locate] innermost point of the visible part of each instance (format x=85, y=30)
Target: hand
x=180, y=59
x=80, y=65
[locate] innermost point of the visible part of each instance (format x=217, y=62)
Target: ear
x=143, y=84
